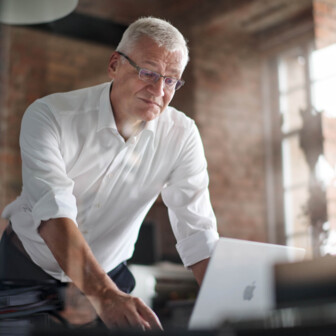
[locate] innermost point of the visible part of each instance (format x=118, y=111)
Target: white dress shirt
x=75, y=164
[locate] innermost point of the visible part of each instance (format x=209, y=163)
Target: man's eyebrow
x=174, y=72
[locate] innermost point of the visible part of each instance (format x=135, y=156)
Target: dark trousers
x=16, y=265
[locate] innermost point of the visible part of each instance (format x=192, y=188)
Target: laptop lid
x=238, y=283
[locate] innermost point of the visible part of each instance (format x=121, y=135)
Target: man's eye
x=170, y=81
x=148, y=74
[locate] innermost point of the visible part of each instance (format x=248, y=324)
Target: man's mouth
x=150, y=102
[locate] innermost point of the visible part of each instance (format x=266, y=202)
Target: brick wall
x=228, y=112
x=325, y=22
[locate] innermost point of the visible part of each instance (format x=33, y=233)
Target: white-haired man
x=94, y=161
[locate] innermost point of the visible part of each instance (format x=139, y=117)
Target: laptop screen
x=239, y=282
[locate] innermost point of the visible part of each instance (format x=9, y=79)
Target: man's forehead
x=150, y=53
x=171, y=62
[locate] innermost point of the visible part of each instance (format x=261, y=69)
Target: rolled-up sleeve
x=46, y=184
x=187, y=197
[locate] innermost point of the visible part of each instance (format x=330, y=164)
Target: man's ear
x=113, y=64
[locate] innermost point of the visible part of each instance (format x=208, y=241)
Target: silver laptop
x=239, y=282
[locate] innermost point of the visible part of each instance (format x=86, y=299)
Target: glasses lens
x=149, y=76
x=179, y=84
x=170, y=82
x=153, y=77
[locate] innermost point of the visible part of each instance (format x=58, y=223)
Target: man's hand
x=120, y=310
x=73, y=254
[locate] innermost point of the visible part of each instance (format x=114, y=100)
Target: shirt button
x=84, y=232
x=97, y=205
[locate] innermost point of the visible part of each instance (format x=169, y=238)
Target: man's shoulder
x=84, y=99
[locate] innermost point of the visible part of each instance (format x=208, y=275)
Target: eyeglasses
x=153, y=77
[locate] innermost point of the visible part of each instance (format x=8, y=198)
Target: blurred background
x=260, y=86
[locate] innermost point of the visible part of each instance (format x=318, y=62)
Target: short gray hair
x=160, y=31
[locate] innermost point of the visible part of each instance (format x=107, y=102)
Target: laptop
x=238, y=283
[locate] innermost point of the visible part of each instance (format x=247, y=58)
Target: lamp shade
x=23, y=12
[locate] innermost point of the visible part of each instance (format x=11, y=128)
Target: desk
x=306, y=321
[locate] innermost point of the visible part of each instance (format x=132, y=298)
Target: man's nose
x=157, y=89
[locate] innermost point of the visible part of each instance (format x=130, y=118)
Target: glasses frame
x=176, y=83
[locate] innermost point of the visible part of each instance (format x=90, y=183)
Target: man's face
x=133, y=99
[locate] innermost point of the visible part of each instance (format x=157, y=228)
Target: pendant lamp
x=27, y=12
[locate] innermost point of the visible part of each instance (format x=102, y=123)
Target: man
x=94, y=161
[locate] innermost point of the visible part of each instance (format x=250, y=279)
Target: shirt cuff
x=54, y=206
x=197, y=247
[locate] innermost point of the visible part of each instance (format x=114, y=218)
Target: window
x=294, y=100
x=303, y=158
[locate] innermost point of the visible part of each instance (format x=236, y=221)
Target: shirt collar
x=105, y=113
x=106, y=117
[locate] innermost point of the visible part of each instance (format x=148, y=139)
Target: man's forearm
x=199, y=270
x=75, y=256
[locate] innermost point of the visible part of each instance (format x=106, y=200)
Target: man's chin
x=152, y=114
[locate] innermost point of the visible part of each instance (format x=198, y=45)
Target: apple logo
x=249, y=291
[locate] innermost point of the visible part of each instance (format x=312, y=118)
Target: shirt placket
x=98, y=200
